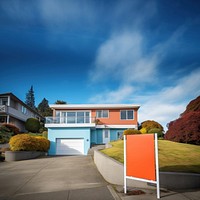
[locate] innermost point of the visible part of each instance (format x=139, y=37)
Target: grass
x=173, y=156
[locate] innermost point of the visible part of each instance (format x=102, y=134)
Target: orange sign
x=140, y=156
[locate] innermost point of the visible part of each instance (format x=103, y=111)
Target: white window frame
x=101, y=113
x=24, y=110
x=126, y=114
x=75, y=111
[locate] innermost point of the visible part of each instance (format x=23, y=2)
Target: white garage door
x=69, y=146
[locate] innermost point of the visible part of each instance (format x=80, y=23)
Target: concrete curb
x=113, y=172
x=22, y=155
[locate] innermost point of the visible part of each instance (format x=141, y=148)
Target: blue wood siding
x=54, y=133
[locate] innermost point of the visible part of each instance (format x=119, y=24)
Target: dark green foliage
x=5, y=134
x=30, y=98
x=44, y=109
x=156, y=130
x=32, y=125
x=60, y=102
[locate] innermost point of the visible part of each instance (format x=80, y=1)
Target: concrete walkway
x=67, y=177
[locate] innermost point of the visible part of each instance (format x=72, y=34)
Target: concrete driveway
x=67, y=177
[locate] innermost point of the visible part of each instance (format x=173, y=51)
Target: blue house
x=74, y=128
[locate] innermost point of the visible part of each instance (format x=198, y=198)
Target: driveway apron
x=60, y=178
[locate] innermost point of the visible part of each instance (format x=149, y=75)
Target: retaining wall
x=22, y=155
x=113, y=172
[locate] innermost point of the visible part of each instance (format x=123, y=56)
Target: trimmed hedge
x=32, y=125
x=26, y=142
x=131, y=132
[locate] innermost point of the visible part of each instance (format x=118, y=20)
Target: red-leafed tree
x=186, y=129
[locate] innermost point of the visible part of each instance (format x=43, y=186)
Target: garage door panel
x=69, y=146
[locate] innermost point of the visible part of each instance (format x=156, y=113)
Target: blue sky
x=87, y=51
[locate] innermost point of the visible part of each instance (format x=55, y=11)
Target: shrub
x=143, y=130
x=12, y=128
x=131, y=132
x=32, y=125
x=150, y=124
x=156, y=130
x=5, y=134
x=26, y=142
x=45, y=134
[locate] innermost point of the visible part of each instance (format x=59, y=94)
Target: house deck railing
x=3, y=108
x=70, y=120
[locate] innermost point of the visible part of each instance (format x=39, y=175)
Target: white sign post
x=135, y=176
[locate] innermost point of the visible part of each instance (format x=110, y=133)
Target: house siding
x=97, y=135
x=74, y=133
x=114, y=117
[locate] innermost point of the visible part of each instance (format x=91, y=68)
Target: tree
x=60, y=102
x=186, y=129
x=30, y=98
x=44, y=109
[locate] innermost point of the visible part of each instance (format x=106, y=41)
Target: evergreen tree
x=44, y=109
x=60, y=102
x=30, y=98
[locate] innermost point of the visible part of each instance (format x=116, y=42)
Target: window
x=102, y=113
x=3, y=101
x=106, y=133
x=126, y=114
x=24, y=111
x=119, y=134
x=72, y=117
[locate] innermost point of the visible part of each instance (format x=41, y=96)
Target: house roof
x=18, y=100
x=94, y=106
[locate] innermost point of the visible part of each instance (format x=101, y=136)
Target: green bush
x=45, y=134
x=32, y=125
x=131, y=132
x=12, y=128
x=5, y=134
x=156, y=130
x=150, y=124
x=26, y=142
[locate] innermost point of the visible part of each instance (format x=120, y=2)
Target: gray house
x=15, y=111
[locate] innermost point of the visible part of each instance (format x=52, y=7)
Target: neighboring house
x=15, y=111
x=73, y=129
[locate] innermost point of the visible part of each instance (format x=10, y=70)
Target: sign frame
x=143, y=179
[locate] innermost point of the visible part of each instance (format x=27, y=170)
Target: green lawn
x=173, y=156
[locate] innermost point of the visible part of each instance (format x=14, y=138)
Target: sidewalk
x=135, y=194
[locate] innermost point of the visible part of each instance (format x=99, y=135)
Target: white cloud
x=121, y=57
x=115, y=96
x=169, y=103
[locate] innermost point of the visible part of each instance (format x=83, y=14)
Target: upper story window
x=102, y=113
x=3, y=101
x=73, y=117
x=126, y=114
x=24, y=110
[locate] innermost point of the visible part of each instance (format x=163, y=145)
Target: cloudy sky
x=144, y=52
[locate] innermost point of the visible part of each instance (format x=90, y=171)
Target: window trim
x=102, y=114
x=75, y=111
x=126, y=115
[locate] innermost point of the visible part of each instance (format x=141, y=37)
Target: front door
x=106, y=136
